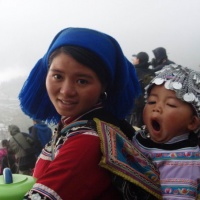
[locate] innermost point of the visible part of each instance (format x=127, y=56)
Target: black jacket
x=142, y=69
x=159, y=67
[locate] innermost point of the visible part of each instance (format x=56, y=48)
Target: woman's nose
x=68, y=89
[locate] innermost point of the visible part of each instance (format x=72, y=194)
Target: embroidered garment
x=70, y=170
x=178, y=162
x=123, y=159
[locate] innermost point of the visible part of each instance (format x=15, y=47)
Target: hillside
x=10, y=112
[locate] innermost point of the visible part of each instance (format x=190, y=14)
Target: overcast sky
x=28, y=26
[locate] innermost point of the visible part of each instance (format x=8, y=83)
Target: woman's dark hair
x=107, y=60
x=85, y=57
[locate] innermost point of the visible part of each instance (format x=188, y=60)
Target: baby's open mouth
x=156, y=125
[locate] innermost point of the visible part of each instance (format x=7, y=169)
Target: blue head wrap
x=123, y=83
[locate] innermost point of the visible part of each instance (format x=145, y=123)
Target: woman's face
x=72, y=87
x=166, y=116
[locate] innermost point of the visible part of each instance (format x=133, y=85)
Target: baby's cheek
x=146, y=115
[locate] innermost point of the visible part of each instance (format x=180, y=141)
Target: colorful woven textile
x=123, y=159
x=178, y=162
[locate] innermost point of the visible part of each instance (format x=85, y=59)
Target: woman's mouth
x=67, y=102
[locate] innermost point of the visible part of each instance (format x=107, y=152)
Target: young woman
x=83, y=75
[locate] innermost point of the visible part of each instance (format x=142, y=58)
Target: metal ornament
x=189, y=97
x=177, y=85
x=185, y=82
x=158, y=81
x=167, y=84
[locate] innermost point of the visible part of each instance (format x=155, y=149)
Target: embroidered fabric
x=88, y=127
x=125, y=160
x=179, y=177
x=39, y=191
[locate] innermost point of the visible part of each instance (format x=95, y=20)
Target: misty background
x=28, y=27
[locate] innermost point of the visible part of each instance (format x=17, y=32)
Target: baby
x=170, y=137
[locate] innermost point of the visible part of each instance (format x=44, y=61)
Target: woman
x=83, y=75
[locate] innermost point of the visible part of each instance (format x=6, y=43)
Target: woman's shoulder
x=79, y=127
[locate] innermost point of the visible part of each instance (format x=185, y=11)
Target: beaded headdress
x=185, y=82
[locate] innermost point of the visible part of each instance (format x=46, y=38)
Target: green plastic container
x=17, y=188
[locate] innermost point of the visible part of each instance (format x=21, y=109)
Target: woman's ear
x=195, y=123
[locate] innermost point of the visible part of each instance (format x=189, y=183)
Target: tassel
x=34, y=100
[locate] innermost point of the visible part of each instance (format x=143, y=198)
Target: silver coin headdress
x=184, y=81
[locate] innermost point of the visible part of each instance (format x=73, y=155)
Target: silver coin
x=175, y=73
x=197, y=81
x=158, y=81
x=173, y=65
x=177, y=85
x=196, y=100
x=189, y=97
x=167, y=84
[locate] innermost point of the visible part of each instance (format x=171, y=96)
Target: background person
x=7, y=158
x=3, y=152
x=161, y=59
x=20, y=146
x=41, y=133
x=141, y=63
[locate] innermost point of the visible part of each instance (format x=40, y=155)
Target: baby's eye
x=151, y=102
x=82, y=81
x=171, y=105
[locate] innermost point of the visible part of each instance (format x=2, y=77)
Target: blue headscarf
x=123, y=82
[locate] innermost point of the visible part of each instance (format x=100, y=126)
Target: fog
x=27, y=28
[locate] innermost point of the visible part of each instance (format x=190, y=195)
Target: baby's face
x=166, y=116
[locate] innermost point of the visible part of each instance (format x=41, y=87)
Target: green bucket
x=14, y=186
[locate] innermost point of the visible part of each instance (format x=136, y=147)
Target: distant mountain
x=11, y=88
x=10, y=112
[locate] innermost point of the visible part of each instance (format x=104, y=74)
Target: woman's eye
x=82, y=81
x=57, y=76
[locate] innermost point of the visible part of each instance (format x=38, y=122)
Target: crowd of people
x=20, y=152
x=7, y=157
x=123, y=130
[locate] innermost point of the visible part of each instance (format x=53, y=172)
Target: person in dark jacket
x=142, y=64
x=161, y=59
x=41, y=133
x=7, y=157
x=145, y=74
x=20, y=145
